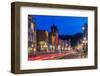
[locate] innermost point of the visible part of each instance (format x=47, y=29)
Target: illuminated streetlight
x=83, y=28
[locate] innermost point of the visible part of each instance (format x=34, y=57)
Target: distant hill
x=74, y=38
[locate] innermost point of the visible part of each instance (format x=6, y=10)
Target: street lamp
x=83, y=28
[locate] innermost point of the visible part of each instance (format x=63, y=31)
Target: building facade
x=42, y=40
x=31, y=35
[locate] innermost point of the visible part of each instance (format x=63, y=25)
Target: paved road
x=66, y=55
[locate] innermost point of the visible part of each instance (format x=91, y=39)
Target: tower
x=54, y=35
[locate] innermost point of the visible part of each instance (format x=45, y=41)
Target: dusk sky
x=66, y=25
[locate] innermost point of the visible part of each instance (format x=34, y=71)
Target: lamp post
x=83, y=28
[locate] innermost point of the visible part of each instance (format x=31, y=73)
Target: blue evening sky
x=66, y=25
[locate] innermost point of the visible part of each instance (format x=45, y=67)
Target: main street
x=65, y=55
